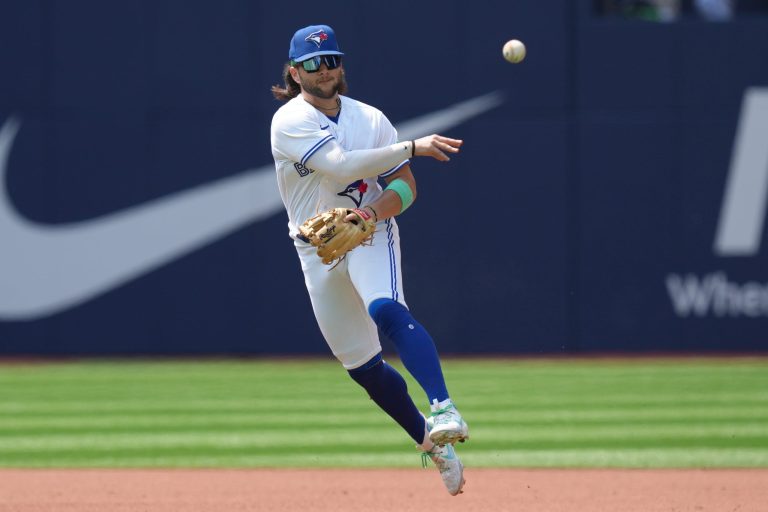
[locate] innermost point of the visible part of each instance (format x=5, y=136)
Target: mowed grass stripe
x=541, y=458
x=484, y=453
x=575, y=409
x=370, y=419
x=557, y=437
x=108, y=403
x=16, y=395
x=205, y=414
x=188, y=374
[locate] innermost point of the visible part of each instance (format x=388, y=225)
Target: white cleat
x=451, y=468
x=446, y=425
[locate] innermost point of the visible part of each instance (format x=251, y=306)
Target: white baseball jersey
x=320, y=165
x=300, y=133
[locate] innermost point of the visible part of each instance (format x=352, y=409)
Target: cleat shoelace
x=432, y=455
x=443, y=415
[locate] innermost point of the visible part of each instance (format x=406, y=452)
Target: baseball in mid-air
x=514, y=51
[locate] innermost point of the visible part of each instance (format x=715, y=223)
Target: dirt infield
x=379, y=490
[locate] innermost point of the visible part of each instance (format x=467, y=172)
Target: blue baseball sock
x=414, y=344
x=388, y=389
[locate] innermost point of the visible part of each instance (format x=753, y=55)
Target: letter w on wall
x=740, y=227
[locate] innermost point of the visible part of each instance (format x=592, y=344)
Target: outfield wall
x=610, y=195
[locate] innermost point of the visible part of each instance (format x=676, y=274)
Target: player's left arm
x=391, y=202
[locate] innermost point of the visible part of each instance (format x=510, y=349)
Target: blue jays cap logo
x=317, y=37
x=312, y=41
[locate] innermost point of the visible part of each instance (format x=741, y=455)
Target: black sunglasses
x=313, y=65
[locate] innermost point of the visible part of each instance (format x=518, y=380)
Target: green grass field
x=258, y=413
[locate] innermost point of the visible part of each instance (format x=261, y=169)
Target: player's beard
x=340, y=87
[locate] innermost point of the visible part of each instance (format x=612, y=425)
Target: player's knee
x=366, y=372
x=379, y=379
x=389, y=315
x=379, y=306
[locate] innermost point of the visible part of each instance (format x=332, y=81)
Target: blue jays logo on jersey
x=317, y=37
x=355, y=191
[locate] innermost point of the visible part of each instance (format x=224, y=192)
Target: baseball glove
x=333, y=236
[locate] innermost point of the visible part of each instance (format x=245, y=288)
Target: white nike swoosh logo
x=46, y=269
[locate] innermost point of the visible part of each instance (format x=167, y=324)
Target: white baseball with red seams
x=514, y=51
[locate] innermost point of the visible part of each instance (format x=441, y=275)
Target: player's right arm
x=304, y=141
x=343, y=165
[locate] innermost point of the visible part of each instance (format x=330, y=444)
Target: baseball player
x=332, y=151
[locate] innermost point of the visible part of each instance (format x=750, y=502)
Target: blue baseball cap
x=311, y=41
